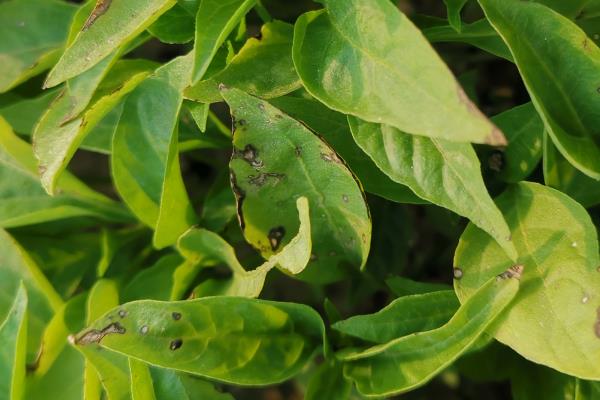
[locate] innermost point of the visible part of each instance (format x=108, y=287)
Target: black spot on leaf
x=175, y=344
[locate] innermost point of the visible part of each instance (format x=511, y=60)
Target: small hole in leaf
x=458, y=273
x=144, y=329
x=122, y=313
x=176, y=316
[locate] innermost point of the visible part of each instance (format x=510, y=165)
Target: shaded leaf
x=333, y=127
x=410, y=361
x=29, y=46
x=24, y=202
x=560, y=67
x=445, y=173
x=13, y=336
x=454, y=8
x=145, y=162
x=328, y=382
x=404, y=316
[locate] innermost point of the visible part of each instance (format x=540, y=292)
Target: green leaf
x=43, y=301
x=410, y=361
x=28, y=45
x=199, y=112
x=479, y=34
x=23, y=201
x=561, y=175
x=58, y=362
x=402, y=317
x=454, y=8
x=62, y=128
x=205, y=248
x=571, y=8
x=536, y=382
x=215, y=20
x=145, y=162
x=402, y=286
x=246, y=71
x=170, y=385
x=524, y=131
x=333, y=127
x=112, y=369
x=385, y=73
x=219, y=206
x=13, y=336
x=176, y=25
x=156, y=282
x=259, y=343
x=141, y=381
x=553, y=320
x=445, y=173
x=24, y=114
x=560, y=67
x=276, y=160
x=328, y=382
x=112, y=24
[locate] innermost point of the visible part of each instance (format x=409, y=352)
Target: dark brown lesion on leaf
x=262, y=178
x=275, y=236
x=516, y=271
x=249, y=154
x=99, y=10
x=240, y=195
x=96, y=335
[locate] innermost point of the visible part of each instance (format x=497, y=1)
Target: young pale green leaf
x=110, y=368
x=524, y=130
x=145, y=162
x=402, y=286
x=248, y=68
x=445, y=173
x=206, y=248
x=112, y=24
x=561, y=175
x=384, y=72
x=13, y=336
x=402, y=317
x=560, y=67
x=333, y=127
x=258, y=343
x=454, y=8
x=141, y=381
x=23, y=201
x=410, y=361
x=215, y=20
x=554, y=320
x=276, y=159
x=43, y=301
x=28, y=45
x=479, y=34
x=536, y=382
x=328, y=382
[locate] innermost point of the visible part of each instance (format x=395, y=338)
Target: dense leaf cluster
x=307, y=250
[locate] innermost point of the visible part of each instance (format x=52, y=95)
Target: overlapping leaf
x=384, y=72
x=554, y=319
